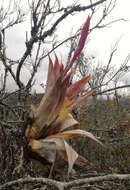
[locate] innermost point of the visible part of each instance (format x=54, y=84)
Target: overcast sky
x=100, y=43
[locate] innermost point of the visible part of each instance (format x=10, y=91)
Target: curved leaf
x=73, y=133
x=77, y=87
x=69, y=122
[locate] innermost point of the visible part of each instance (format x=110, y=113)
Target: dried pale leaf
x=72, y=133
x=69, y=122
x=72, y=156
x=58, y=142
x=67, y=152
x=44, y=149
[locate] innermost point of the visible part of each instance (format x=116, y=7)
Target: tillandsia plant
x=50, y=121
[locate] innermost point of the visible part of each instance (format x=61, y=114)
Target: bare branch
x=74, y=9
x=112, y=89
x=10, y=108
x=36, y=38
x=64, y=185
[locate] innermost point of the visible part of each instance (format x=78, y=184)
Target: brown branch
x=10, y=108
x=61, y=43
x=72, y=10
x=111, y=177
x=29, y=44
x=64, y=185
x=112, y=89
x=46, y=181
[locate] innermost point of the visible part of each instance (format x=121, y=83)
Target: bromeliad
x=50, y=121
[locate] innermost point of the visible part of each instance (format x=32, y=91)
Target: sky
x=100, y=41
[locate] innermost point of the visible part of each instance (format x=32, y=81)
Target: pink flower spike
x=81, y=43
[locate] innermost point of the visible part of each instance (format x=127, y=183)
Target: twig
x=112, y=89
